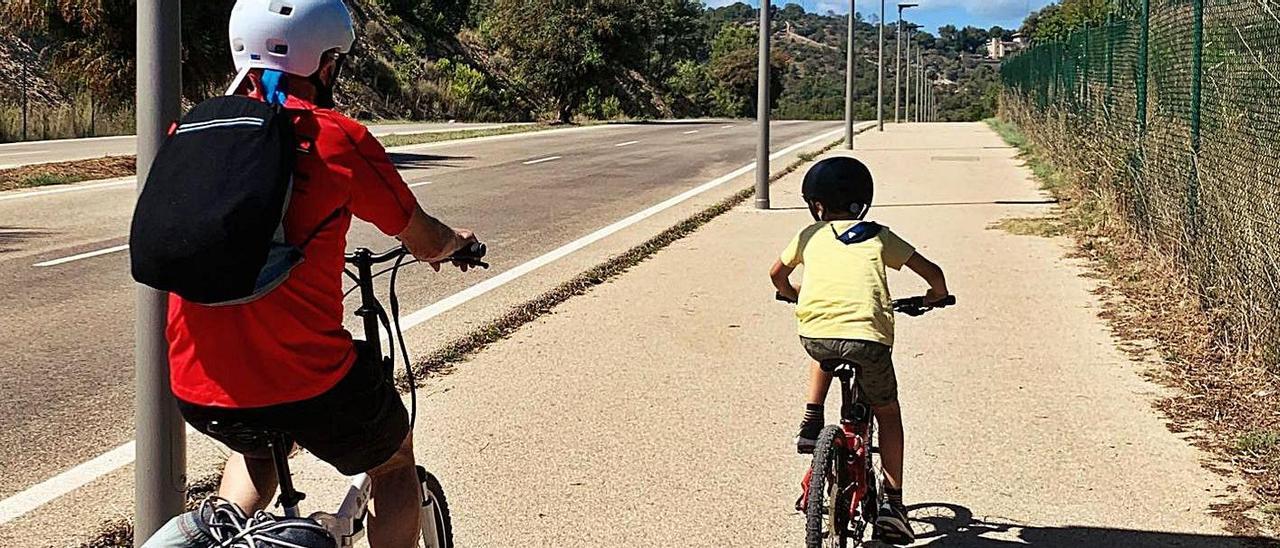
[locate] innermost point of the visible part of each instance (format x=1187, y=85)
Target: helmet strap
x=324, y=92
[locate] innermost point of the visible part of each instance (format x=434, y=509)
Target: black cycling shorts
x=356, y=426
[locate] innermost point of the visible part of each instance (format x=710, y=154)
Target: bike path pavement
x=659, y=409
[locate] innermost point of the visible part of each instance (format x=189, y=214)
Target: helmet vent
x=281, y=7
x=237, y=45
x=278, y=47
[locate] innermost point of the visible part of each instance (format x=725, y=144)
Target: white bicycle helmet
x=288, y=35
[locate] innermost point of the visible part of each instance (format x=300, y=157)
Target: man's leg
x=249, y=482
x=397, y=501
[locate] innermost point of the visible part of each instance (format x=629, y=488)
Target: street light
x=762, y=110
x=897, y=66
x=909, y=39
x=880, y=74
x=160, y=470
x=848, y=91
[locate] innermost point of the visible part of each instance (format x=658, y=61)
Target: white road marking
x=542, y=160
x=726, y=127
x=116, y=183
x=690, y=132
x=73, y=478
x=81, y=256
x=626, y=144
x=424, y=183
x=42, y=493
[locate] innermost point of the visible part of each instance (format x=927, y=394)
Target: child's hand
x=933, y=295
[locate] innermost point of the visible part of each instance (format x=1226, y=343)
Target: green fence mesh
x=1172, y=109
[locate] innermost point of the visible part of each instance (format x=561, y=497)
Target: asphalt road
x=66, y=387
x=40, y=152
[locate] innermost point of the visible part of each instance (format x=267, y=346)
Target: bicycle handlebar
x=471, y=256
x=912, y=306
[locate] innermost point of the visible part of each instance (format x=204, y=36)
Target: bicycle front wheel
x=827, y=516
x=436, y=523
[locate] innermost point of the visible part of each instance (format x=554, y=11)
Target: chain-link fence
x=1172, y=110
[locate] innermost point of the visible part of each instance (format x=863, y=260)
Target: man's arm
x=431, y=241
x=932, y=274
x=781, y=276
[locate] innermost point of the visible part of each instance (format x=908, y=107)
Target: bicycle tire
x=436, y=522
x=827, y=516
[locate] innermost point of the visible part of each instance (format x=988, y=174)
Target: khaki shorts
x=875, y=376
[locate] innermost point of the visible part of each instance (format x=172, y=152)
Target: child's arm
x=931, y=273
x=781, y=275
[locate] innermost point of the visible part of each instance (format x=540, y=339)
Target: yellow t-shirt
x=844, y=293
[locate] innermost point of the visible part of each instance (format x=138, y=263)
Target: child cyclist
x=845, y=312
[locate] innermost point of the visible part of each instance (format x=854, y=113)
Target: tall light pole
x=920, y=82
x=897, y=71
x=160, y=471
x=907, y=92
x=880, y=74
x=848, y=86
x=762, y=110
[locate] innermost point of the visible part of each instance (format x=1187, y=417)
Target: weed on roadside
x=424, y=138
x=62, y=173
x=1046, y=227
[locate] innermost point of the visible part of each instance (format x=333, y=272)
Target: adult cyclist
x=285, y=363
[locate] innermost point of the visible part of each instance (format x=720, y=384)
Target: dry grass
x=62, y=173
x=1229, y=404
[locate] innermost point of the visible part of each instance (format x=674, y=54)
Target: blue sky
x=931, y=13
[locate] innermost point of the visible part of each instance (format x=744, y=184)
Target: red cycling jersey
x=290, y=345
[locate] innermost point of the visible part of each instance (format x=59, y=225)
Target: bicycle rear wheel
x=827, y=516
x=437, y=524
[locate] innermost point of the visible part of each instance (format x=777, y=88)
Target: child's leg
x=819, y=384
x=811, y=426
x=889, y=421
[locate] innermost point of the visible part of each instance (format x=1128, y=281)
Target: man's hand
x=462, y=239
x=433, y=242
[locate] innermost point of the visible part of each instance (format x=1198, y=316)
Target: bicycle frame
x=854, y=477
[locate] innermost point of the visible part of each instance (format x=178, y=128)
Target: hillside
x=500, y=60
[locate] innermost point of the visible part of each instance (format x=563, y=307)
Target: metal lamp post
x=160, y=470
x=762, y=110
x=848, y=87
x=880, y=74
x=897, y=71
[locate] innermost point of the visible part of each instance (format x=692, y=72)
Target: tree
x=558, y=50
x=92, y=44
x=734, y=68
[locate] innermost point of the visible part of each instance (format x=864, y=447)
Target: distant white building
x=998, y=49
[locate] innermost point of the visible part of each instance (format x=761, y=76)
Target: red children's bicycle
x=841, y=497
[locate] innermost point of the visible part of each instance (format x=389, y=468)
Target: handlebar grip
x=476, y=250
x=950, y=300
x=472, y=255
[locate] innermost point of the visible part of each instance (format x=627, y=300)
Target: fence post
x=1111, y=62
x=25, y=94
x=1197, y=77
x=1088, y=53
x=1144, y=44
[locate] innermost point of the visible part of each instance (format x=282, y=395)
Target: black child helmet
x=841, y=184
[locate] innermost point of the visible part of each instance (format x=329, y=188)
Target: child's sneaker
x=894, y=526
x=807, y=439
